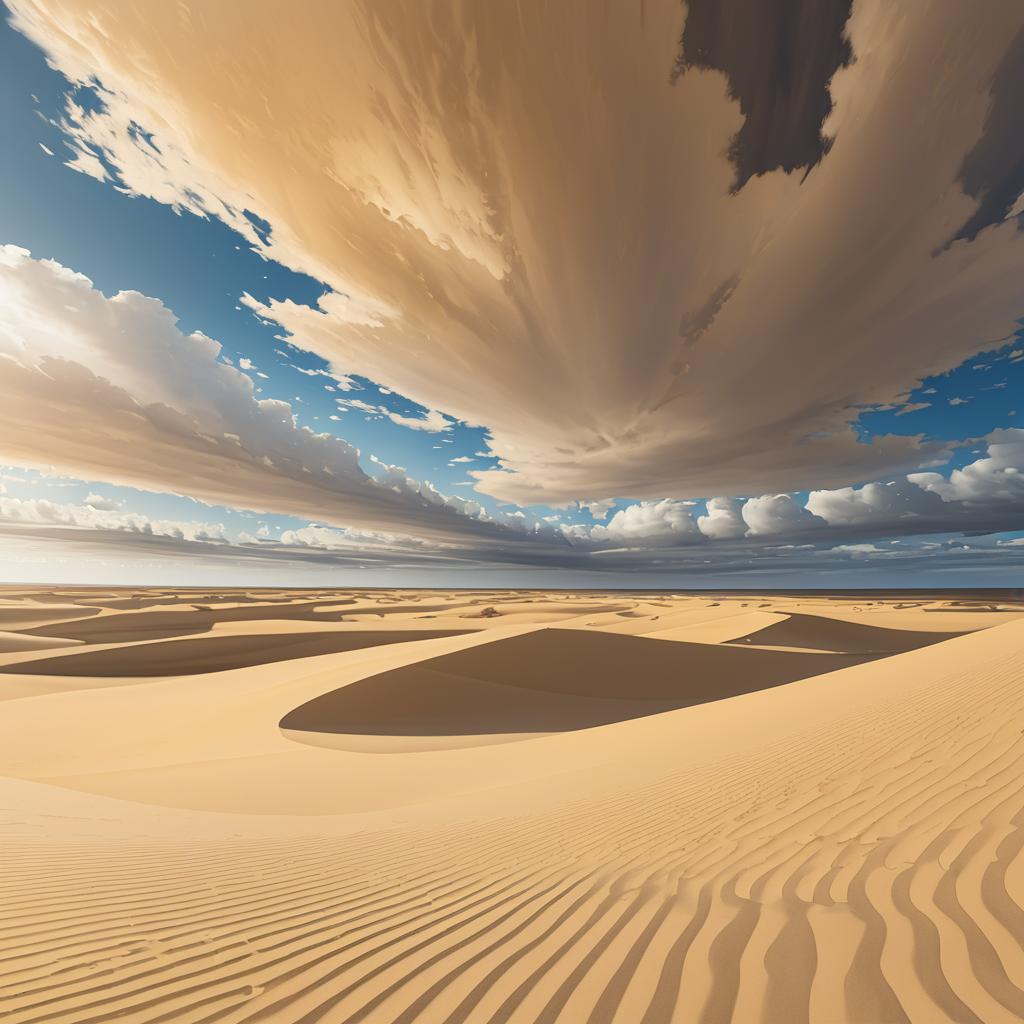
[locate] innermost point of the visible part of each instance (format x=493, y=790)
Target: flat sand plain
x=415, y=807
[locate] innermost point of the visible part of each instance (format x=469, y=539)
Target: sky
x=443, y=294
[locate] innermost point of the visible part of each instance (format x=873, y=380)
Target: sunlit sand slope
x=843, y=847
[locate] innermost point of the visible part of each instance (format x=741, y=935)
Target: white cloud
x=431, y=421
x=358, y=403
x=40, y=511
x=101, y=503
x=723, y=519
x=598, y=509
x=777, y=513
x=873, y=503
x=999, y=477
x=650, y=523
x=859, y=550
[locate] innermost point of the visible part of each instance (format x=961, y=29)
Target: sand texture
x=429, y=807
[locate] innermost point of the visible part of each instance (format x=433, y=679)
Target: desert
x=478, y=806
x=511, y=512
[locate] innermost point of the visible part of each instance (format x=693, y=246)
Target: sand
x=400, y=806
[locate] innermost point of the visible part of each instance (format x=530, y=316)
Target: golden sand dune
x=844, y=847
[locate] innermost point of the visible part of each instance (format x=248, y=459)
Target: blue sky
x=199, y=267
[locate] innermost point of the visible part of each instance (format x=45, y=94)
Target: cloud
x=431, y=421
x=773, y=514
x=51, y=550
x=633, y=327
x=839, y=530
x=42, y=512
x=650, y=524
x=723, y=519
x=101, y=503
x=780, y=78
x=874, y=503
x=598, y=509
x=997, y=478
x=993, y=171
x=110, y=389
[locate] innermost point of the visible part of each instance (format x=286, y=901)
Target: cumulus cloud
x=649, y=524
x=874, y=503
x=635, y=327
x=777, y=514
x=598, y=509
x=101, y=503
x=723, y=519
x=997, y=478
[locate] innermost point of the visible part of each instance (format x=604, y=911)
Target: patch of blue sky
x=982, y=394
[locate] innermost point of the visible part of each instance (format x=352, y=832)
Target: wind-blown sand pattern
x=398, y=807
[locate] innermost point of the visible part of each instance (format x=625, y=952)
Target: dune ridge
x=842, y=847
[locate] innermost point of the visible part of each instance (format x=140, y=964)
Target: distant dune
x=385, y=806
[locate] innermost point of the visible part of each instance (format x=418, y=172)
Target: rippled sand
x=423, y=806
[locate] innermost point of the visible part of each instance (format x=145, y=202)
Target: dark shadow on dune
x=167, y=623
x=820, y=633
x=15, y=616
x=216, y=653
x=551, y=680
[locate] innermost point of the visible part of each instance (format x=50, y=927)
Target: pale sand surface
x=402, y=806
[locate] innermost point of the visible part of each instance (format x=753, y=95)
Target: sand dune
x=550, y=680
x=844, y=847
x=11, y=643
x=212, y=654
x=820, y=633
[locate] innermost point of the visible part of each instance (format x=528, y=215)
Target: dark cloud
x=993, y=171
x=779, y=56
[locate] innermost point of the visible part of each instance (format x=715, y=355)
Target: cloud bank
x=110, y=389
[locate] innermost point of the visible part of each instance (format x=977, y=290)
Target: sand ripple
x=847, y=848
